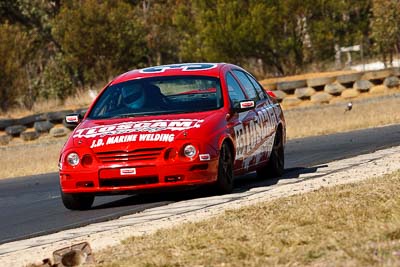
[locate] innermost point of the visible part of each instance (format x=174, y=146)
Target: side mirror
x=73, y=119
x=245, y=106
x=271, y=94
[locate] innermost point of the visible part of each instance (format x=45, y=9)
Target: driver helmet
x=133, y=95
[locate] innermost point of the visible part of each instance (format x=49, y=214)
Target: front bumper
x=112, y=179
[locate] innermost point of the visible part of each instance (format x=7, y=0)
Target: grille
x=134, y=155
x=128, y=182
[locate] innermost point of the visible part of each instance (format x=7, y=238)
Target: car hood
x=149, y=131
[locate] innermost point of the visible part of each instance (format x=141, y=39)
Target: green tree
x=162, y=37
x=31, y=14
x=385, y=26
x=14, y=72
x=215, y=30
x=99, y=39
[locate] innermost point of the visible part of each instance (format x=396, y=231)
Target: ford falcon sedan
x=169, y=127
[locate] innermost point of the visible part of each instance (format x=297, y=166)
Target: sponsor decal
x=72, y=118
x=127, y=171
x=183, y=67
x=247, y=104
x=151, y=126
x=110, y=140
x=204, y=157
x=249, y=137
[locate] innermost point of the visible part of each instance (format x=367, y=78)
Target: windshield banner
x=138, y=126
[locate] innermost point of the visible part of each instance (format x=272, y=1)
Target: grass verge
x=349, y=225
x=30, y=159
x=319, y=120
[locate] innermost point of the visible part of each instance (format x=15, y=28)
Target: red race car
x=172, y=126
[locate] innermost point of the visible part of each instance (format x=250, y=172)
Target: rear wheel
x=224, y=183
x=77, y=201
x=276, y=162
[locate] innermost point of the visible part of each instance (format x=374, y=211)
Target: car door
x=239, y=123
x=262, y=126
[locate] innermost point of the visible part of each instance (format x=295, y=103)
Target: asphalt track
x=31, y=206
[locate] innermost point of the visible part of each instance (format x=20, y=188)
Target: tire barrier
x=321, y=97
x=59, y=132
x=332, y=87
x=28, y=121
x=392, y=81
x=81, y=111
x=362, y=85
x=15, y=130
x=304, y=93
x=29, y=135
x=31, y=127
x=289, y=92
x=4, y=123
x=58, y=116
x=43, y=126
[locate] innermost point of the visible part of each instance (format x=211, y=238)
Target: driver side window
x=235, y=92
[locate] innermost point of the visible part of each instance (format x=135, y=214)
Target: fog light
x=87, y=160
x=189, y=151
x=170, y=154
x=73, y=159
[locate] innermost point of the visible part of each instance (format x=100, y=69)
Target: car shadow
x=242, y=184
x=251, y=180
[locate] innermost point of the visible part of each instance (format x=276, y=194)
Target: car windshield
x=159, y=95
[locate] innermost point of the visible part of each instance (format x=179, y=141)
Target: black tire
x=224, y=184
x=58, y=116
x=43, y=126
x=29, y=135
x=30, y=120
x=15, y=130
x=276, y=163
x=4, y=123
x=77, y=201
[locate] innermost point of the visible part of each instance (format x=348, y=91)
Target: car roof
x=183, y=69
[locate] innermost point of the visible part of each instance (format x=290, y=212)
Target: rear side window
x=247, y=84
x=259, y=89
x=235, y=92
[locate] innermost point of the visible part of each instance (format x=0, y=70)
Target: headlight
x=73, y=159
x=189, y=151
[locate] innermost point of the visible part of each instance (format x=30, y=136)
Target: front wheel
x=224, y=183
x=276, y=162
x=77, y=201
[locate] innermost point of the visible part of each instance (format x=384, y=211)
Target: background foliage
x=51, y=48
